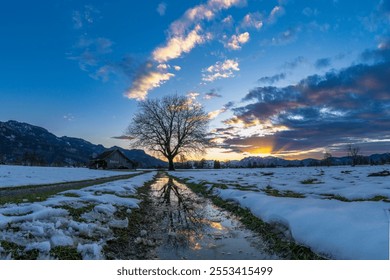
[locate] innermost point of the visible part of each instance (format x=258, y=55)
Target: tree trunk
x=170, y=162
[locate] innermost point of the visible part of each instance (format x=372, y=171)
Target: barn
x=112, y=159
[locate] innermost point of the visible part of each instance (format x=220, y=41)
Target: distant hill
x=275, y=161
x=22, y=143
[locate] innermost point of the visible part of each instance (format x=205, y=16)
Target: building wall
x=116, y=160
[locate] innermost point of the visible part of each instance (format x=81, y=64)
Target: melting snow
x=339, y=229
x=11, y=176
x=45, y=225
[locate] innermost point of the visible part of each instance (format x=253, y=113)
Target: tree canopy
x=170, y=126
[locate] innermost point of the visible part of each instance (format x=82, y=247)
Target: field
x=337, y=212
x=71, y=224
x=13, y=176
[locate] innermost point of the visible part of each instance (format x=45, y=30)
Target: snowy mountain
x=22, y=143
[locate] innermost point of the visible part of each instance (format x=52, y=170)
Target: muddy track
x=172, y=222
x=22, y=191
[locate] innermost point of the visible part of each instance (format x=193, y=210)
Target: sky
x=287, y=78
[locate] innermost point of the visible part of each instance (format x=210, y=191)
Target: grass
x=311, y=181
x=69, y=194
x=274, y=192
x=65, y=253
x=77, y=212
x=123, y=246
x=18, y=252
x=383, y=173
x=344, y=199
x=277, y=243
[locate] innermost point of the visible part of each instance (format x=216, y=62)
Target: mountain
x=22, y=143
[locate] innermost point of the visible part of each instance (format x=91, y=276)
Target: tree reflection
x=182, y=214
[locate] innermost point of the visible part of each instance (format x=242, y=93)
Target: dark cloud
x=324, y=110
x=322, y=63
x=272, y=79
x=378, y=55
x=212, y=94
x=295, y=62
x=229, y=105
x=122, y=137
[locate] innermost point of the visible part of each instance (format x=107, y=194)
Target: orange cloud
x=146, y=82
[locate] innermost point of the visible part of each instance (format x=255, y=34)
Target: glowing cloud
x=236, y=41
x=146, y=82
x=184, y=34
x=176, y=46
x=220, y=70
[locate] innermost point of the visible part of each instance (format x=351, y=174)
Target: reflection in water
x=191, y=227
x=182, y=214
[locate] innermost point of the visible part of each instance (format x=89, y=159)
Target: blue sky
x=289, y=78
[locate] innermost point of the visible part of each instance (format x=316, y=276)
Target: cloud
x=200, y=13
x=90, y=53
x=272, y=79
x=147, y=78
x=283, y=38
x=123, y=137
x=236, y=41
x=216, y=113
x=309, y=12
x=229, y=105
x=275, y=13
x=68, y=117
x=220, y=70
x=322, y=63
x=212, y=94
x=161, y=8
x=86, y=16
x=350, y=105
x=252, y=20
x=228, y=20
x=103, y=73
x=295, y=62
x=178, y=45
x=378, y=19
x=193, y=95
x=77, y=20
x=184, y=34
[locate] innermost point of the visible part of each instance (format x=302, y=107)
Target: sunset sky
x=287, y=78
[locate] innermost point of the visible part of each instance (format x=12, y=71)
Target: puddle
x=190, y=227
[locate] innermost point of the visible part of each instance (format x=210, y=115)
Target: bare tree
x=170, y=126
x=353, y=152
x=327, y=160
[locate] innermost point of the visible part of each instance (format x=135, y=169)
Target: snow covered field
x=336, y=211
x=82, y=219
x=11, y=176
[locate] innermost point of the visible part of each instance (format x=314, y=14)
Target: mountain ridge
x=23, y=143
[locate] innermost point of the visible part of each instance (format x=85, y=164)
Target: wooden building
x=112, y=159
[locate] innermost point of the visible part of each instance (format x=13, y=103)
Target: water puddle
x=190, y=227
